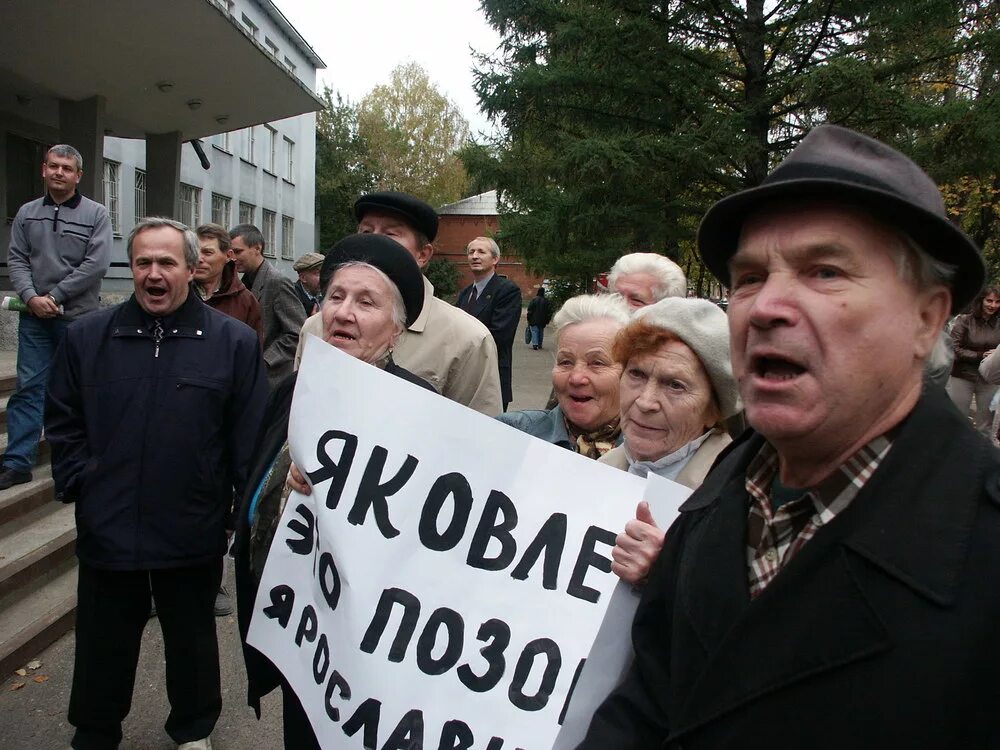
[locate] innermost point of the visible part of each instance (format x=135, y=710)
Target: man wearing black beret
x=447, y=347
x=832, y=583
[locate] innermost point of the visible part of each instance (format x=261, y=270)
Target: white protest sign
x=611, y=654
x=443, y=584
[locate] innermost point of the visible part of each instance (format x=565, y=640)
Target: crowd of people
x=829, y=579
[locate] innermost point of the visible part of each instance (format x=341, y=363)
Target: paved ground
x=33, y=717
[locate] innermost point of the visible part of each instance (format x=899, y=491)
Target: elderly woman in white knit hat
x=677, y=389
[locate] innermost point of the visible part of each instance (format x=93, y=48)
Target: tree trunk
x=755, y=93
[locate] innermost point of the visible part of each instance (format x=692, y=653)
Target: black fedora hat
x=837, y=164
x=388, y=256
x=421, y=216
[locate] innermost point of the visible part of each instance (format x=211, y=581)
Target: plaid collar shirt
x=774, y=537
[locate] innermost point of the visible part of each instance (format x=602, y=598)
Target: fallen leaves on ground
x=41, y=678
x=34, y=664
x=16, y=686
x=22, y=672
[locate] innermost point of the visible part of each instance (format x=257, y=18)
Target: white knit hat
x=705, y=328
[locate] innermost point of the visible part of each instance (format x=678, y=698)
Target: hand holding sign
x=637, y=548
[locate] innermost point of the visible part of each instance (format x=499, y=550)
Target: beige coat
x=694, y=473
x=448, y=348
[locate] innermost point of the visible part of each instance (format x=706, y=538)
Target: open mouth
x=156, y=291
x=776, y=369
x=342, y=336
x=580, y=399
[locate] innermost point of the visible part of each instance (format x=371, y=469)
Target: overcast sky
x=361, y=42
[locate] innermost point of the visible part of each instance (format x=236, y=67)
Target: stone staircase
x=37, y=565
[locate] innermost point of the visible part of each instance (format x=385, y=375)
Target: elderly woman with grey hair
x=584, y=378
x=644, y=278
x=677, y=389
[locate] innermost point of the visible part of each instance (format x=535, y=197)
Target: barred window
x=220, y=210
x=247, y=211
x=287, y=237
x=112, y=194
x=223, y=141
x=140, y=195
x=190, y=205
x=267, y=228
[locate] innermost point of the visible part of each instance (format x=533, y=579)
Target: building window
x=287, y=237
x=267, y=229
x=223, y=141
x=271, y=46
x=290, y=65
x=289, y=159
x=112, y=194
x=270, y=149
x=190, y=205
x=220, y=210
x=247, y=210
x=140, y=195
x=250, y=26
x=249, y=145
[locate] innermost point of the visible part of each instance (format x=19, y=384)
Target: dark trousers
x=112, y=610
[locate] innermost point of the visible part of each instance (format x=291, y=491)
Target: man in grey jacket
x=60, y=249
x=280, y=307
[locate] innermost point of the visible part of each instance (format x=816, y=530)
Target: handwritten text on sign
x=444, y=582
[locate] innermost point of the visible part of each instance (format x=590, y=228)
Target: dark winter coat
x=150, y=442
x=880, y=632
x=499, y=309
x=973, y=337
x=262, y=675
x=539, y=312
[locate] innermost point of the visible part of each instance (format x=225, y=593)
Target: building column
x=163, y=174
x=81, y=125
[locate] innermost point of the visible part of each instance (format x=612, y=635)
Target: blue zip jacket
x=151, y=440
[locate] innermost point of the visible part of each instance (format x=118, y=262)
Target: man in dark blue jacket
x=151, y=412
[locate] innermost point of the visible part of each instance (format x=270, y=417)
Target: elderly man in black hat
x=831, y=584
x=446, y=346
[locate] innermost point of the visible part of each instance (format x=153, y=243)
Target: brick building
x=463, y=221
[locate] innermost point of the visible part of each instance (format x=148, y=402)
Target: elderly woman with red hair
x=676, y=391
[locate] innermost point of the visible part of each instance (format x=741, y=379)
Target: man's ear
x=424, y=255
x=935, y=306
x=230, y=255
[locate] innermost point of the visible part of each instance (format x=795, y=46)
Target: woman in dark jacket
x=374, y=289
x=975, y=335
x=539, y=315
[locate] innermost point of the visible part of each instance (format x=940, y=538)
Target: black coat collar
x=186, y=320
x=72, y=202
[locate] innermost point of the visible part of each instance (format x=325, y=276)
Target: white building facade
x=262, y=175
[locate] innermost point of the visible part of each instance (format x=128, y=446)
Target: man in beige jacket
x=446, y=346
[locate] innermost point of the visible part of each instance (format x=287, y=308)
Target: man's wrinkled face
x=826, y=336
x=247, y=257
x=480, y=255
x=160, y=272
x=636, y=288
x=211, y=262
x=310, y=280
x=60, y=175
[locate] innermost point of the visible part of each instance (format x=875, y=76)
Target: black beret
x=420, y=215
x=388, y=256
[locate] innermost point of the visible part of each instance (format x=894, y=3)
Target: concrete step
x=34, y=617
x=8, y=379
x=24, y=498
x=34, y=543
x=3, y=410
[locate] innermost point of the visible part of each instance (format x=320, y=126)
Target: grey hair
x=494, y=247
x=669, y=276
x=398, y=308
x=586, y=307
x=65, y=150
x=155, y=222
x=916, y=266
